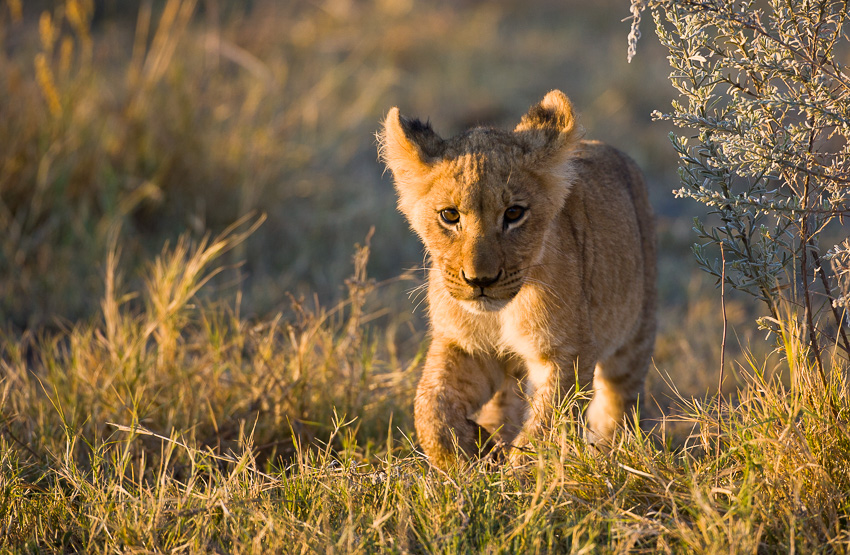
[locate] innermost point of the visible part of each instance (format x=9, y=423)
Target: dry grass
x=173, y=425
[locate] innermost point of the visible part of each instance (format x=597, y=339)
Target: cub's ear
x=549, y=130
x=410, y=149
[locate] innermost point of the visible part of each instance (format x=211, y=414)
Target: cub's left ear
x=410, y=149
x=408, y=146
x=549, y=130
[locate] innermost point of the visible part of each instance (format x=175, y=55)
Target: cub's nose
x=481, y=282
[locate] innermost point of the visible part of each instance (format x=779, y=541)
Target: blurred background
x=130, y=123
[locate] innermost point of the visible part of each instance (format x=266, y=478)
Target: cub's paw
x=490, y=450
x=521, y=456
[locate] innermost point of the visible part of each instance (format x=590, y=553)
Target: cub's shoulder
x=602, y=155
x=597, y=164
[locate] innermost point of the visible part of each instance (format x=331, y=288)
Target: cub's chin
x=484, y=305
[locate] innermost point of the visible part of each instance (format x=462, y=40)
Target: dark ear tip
x=413, y=133
x=414, y=125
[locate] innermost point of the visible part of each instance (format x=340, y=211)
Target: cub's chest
x=525, y=331
x=521, y=328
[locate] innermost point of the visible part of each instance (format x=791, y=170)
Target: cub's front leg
x=454, y=385
x=551, y=382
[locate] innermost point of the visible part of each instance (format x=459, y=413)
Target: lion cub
x=542, y=249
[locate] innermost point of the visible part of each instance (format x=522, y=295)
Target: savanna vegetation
x=206, y=348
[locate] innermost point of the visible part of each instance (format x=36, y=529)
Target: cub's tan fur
x=542, y=250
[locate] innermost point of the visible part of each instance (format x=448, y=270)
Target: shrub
x=763, y=91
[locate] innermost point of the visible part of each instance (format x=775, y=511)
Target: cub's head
x=483, y=201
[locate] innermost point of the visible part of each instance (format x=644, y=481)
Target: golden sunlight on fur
x=542, y=250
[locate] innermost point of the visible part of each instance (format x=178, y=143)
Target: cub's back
x=609, y=177
x=608, y=209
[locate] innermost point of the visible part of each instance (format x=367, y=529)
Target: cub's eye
x=513, y=214
x=450, y=215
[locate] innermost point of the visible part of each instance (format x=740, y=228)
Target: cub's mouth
x=482, y=295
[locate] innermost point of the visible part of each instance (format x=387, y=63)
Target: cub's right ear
x=549, y=129
x=410, y=149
